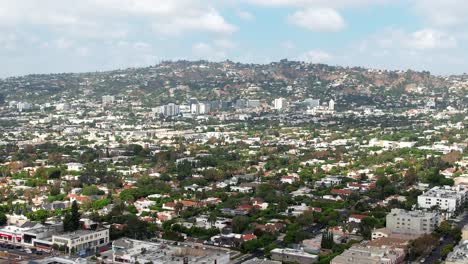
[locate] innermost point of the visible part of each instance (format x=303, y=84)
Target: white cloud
x=201, y=47
x=211, y=22
x=431, y=39
x=244, y=15
x=206, y=51
x=316, y=56
x=317, y=3
x=101, y=16
x=398, y=39
x=394, y=48
x=318, y=19
x=225, y=44
x=443, y=13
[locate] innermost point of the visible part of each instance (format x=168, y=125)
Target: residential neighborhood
x=278, y=171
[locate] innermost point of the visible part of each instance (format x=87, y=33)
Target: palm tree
x=212, y=219
x=178, y=207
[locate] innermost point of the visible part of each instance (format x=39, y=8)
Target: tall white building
x=170, y=109
x=280, y=103
x=108, y=99
x=447, y=199
x=23, y=106
x=200, y=108
x=331, y=104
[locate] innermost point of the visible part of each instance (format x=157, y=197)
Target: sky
x=54, y=36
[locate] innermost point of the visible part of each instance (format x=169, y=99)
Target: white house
x=143, y=204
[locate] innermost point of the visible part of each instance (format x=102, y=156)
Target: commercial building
x=288, y=255
x=446, y=198
x=412, y=222
x=362, y=254
x=131, y=251
x=29, y=234
x=83, y=241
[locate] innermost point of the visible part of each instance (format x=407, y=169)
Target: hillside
x=181, y=80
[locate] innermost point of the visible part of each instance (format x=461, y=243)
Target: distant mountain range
x=180, y=80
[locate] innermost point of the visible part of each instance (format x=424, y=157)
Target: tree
x=212, y=218
x=3, y=218
x=178, y=207
x=239, y=224
x=92, y=190
x=39, y=215
x=446, y=250
x=184, y=170
x=421, y=246
x=366, y=226
x=327, y=240
x=71, y=221
x=132, y=209
x=55, y=190
x=295, y=234
x=305, y=219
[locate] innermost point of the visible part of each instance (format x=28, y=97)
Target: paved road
x=461, y=221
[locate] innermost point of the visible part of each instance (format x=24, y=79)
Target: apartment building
x=446, y=198
x=412, y=222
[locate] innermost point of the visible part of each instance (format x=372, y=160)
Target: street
x=460, y=222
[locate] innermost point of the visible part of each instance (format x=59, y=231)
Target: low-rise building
x=288, y=255
x=83, y=240
x=360, y=254
x=132, y=251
